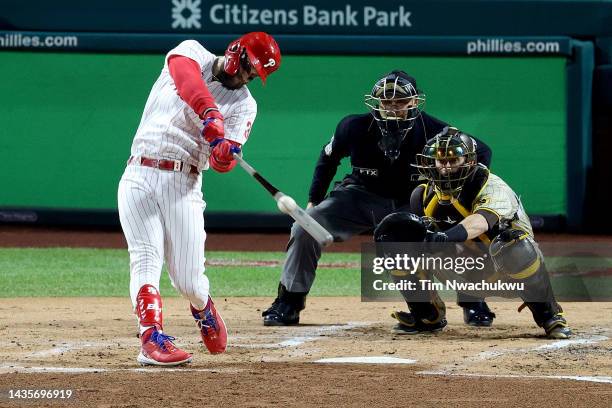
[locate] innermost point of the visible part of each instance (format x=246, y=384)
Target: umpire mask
x=395, y=104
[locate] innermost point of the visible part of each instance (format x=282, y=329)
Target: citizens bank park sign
x=312, y=17
x=195, y=14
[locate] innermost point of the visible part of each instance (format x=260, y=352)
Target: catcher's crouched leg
x=517, y=256
x=423, y=317
x=549, y=316
x=427, y=310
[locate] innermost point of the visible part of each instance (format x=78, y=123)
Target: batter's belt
x=162, y=164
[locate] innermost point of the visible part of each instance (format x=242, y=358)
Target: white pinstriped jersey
x=170, y=129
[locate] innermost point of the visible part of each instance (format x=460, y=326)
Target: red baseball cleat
x=158, y=349
x=212, y=327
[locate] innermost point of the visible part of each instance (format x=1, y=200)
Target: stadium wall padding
x=68, y=120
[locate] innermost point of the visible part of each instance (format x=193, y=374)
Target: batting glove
x=213, y=125
x=222, y=155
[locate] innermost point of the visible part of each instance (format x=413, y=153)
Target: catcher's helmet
x=395, y=103
x=257, y=49
x=448, y=160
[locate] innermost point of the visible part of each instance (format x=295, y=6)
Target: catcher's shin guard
x=286, y=308
x=408, y=324
x=427, y=310
x=423, y=317
x=547, y=313
x=549, y=316
x=515, y=254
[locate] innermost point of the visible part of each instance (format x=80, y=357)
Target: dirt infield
x=88, y=346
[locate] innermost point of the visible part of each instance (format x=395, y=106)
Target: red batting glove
x=222, y=155
x=213, y=125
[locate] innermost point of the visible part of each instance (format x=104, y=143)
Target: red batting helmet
x=261, y=50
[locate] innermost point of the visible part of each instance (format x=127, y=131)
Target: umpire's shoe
x=285, y=310
x=407, y=324
x=477, y=314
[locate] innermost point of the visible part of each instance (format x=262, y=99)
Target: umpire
x=382, y=145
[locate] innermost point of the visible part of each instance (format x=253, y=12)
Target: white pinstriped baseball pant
x=161, y=214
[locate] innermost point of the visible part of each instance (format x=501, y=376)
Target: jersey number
x=248, y=129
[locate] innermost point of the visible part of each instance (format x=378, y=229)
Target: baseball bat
x=287, y=205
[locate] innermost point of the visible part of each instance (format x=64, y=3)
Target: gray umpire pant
x=348, y=210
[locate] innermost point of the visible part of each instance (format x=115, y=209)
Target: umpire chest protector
x=360, y=137
x=371, y=166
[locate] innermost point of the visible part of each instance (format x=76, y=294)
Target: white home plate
x=367, y=360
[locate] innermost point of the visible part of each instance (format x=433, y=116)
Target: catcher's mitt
x=400, y=227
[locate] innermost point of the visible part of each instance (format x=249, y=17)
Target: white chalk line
x=84, y=370
x=591, y=339
x=589, y=378
x=587, y=339
x=66, y=347
x=308, y=334
x=366, y=360
x=557, y=345
x=292, y=342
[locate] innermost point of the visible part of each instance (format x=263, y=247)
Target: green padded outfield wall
x=68, y=120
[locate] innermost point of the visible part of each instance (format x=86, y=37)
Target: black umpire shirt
x=357, y=136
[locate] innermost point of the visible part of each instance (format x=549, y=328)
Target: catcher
x=463, y=202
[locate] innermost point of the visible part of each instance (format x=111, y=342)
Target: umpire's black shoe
x=285, y=310
x=280, y=314
x=477, y=314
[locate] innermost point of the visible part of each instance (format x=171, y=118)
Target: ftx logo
x=186, y=14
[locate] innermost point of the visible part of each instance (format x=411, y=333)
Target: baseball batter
x=198, y=114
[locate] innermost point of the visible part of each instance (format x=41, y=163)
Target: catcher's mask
x=447, y=161
x=395, y=103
